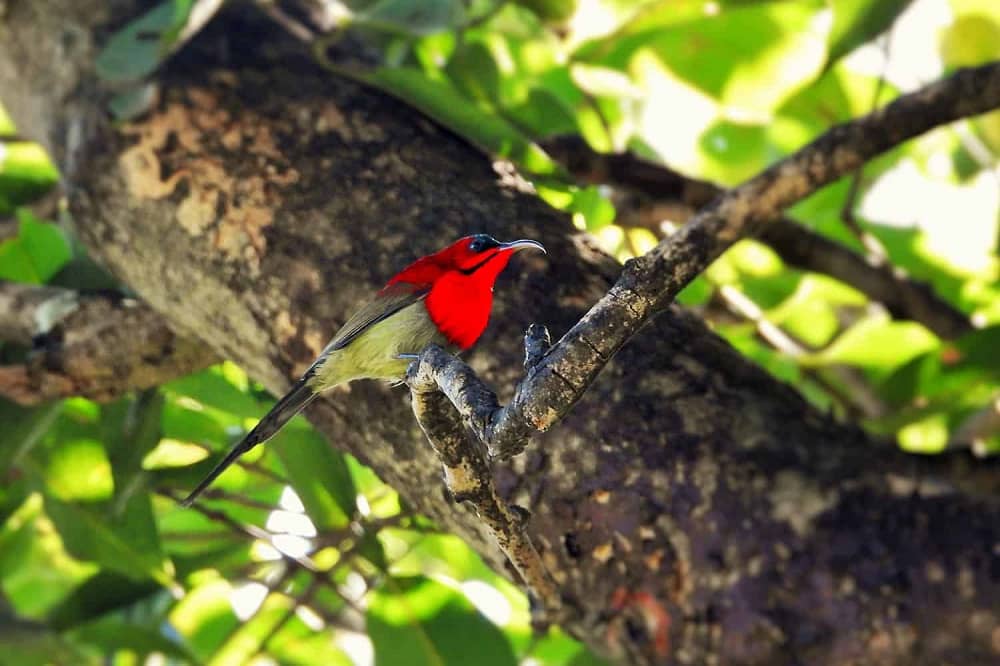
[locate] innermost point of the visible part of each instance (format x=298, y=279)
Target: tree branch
x=665, y=193
x=649, y=283
x=466, y=469
x=96, y=346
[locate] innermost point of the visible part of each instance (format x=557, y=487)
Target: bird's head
x=484, y=255
x=479, y=258
x=460, y=279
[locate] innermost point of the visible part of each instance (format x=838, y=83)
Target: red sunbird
x=443, y=298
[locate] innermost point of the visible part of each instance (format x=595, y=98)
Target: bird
x=443, y=298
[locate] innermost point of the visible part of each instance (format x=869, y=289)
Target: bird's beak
x=523, y=244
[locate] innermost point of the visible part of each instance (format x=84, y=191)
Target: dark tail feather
x=291, y=404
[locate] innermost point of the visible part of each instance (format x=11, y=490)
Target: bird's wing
x=389, y=301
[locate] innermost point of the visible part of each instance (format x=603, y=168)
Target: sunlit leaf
x=752, y=55
x=129, y=546
x=211, y=388
x=426, y=623
x=36, y=253
x=445, y=104
x=877, y=344
x=6, y=124
x=25, y=173
x=596, y=210
x=78, y=470
x=173, y=453
x=927, y=435
x=856, y=22
x=204, y=617
x=37, y=571
x=551, y=11
x=24, y=427
x=319, y=476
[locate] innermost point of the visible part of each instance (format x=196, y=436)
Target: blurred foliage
x=299, y=554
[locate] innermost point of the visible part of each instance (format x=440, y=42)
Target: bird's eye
x=481, y=243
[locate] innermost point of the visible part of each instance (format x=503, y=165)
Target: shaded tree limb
x=661, y=193
x=96, y=346
x=467, y=471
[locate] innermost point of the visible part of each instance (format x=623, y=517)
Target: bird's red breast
x=460, y=280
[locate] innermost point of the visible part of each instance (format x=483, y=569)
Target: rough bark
x=694, y=509
x=98, y=346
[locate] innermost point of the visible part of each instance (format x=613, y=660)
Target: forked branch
x=466, y=467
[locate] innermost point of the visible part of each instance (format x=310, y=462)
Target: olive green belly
x=375, y=353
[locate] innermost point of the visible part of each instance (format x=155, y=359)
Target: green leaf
x=129, y=546
x=925, y=435
x=204, y=617
x=550, y=11
x=856, y=22
x=428, y=624
x=596, y=210
x=131, y=429
x=750, y=55
x=36, y=253
x=544, y=113
x=135, y=51
x=78, y=470
x=734, y=152
x=227, y=559
x=32, y=644
x=24, y=427
x=558, y=649
x=105, y=592
x=15, y=545
x=6, y=124
x=25, y=174
x=442, y=102
x=837, y=96
x=37, y=571
x=412, y=17
x=319, y=475
x=972, y=39
x=113, y=634
x=308, y=649
x=211, y=388
x=877, y=344
x=473, y=71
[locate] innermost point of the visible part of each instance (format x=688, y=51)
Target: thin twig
x=860, y=395
x=291, y=25
x=649, y=194
x=877, y=253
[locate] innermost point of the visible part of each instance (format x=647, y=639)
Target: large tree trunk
x=692, y=508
